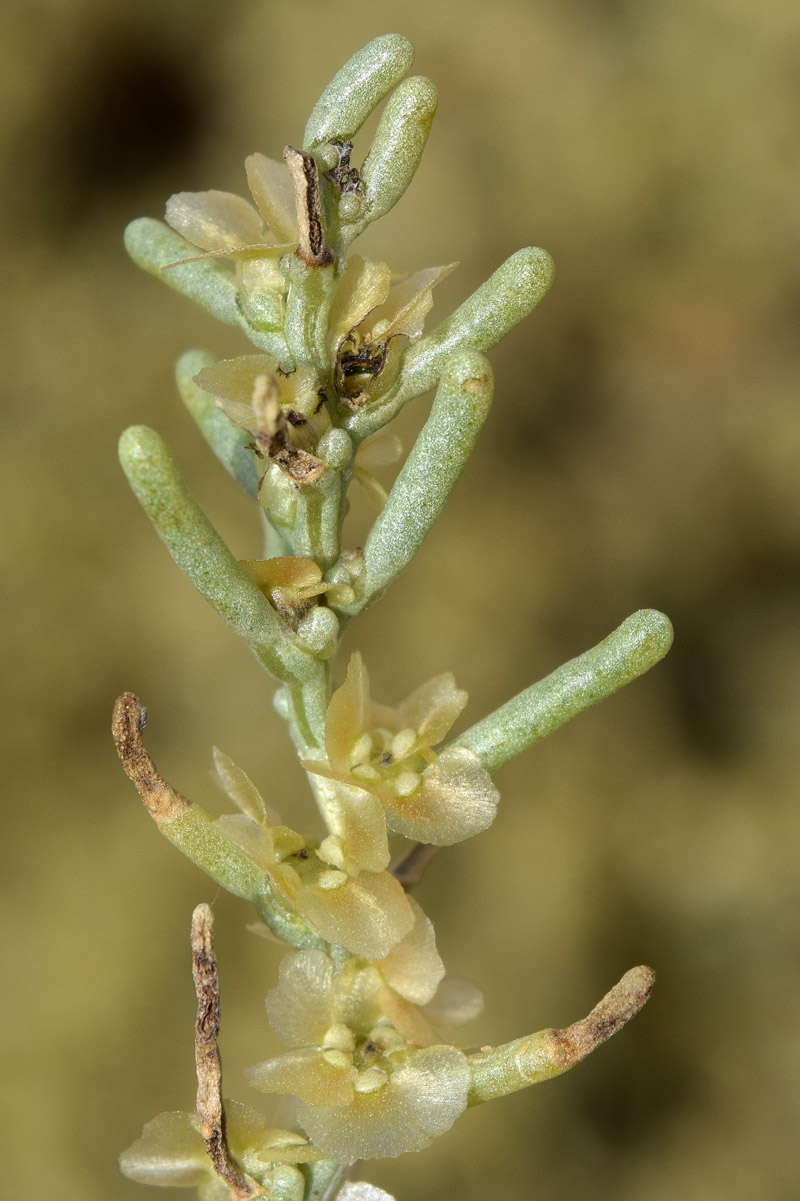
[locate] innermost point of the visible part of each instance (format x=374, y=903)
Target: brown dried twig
x=210, y=1107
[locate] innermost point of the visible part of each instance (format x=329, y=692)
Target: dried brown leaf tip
x=210, y=1107
x=313, y=250
x=162, y=802
x=569, y=1046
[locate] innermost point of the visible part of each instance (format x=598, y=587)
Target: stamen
x=370, y=1081
x=364, y=772
x=406, y=783
x=361, y=750
x=331, y=880
x=403, y=743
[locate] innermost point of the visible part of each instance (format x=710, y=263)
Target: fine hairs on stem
x=362, y=1005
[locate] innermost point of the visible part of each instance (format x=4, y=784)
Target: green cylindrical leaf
x=510, y=1067
x=480, y=322
x=154, y=246
x=637, y=645
x=308, y=302
x=396, y=151
x=505, y=1069
x=201, y=553
x=434, y=464
x=356, y=88
x=196, y=836
x=229, y=443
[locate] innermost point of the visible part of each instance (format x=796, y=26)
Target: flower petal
x=242, y=791
x=273, y=191
x=368, y=915
x=306, y=1075
x=253, y=1141
x=348, y=714
x=234, y=379
x=455, y=1003
x=432, y=708
x=363, y=286
x=359, y=1190
x=357, y=820
x=421, y=1100
x=256, y=841
x=214, y=220
x=213, y=1188
x=455, y=800
x=171, y=1151
x=379, y=450
x=407, y=305
x=408, y=1020
x=300, y=1008
x=413, y=968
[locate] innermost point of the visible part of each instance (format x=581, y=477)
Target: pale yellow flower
x=294, y=584
x=365, y=911
x=171, y=1151
x=389, y=753
x=370, y=1076
x=371, y=322
x=285, y=413
x=221, y=223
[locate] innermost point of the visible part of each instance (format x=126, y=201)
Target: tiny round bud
x=319, y=630
x=336, y=449
x=350, y=207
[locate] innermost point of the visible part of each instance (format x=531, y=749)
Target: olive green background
x=642, y=451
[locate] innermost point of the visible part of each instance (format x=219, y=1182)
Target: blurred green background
x=642, y=451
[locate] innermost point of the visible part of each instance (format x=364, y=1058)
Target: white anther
x=406, y=783
x=403, y=742
x=370, y=1080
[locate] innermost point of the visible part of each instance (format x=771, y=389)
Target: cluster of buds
x=363, y=1004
